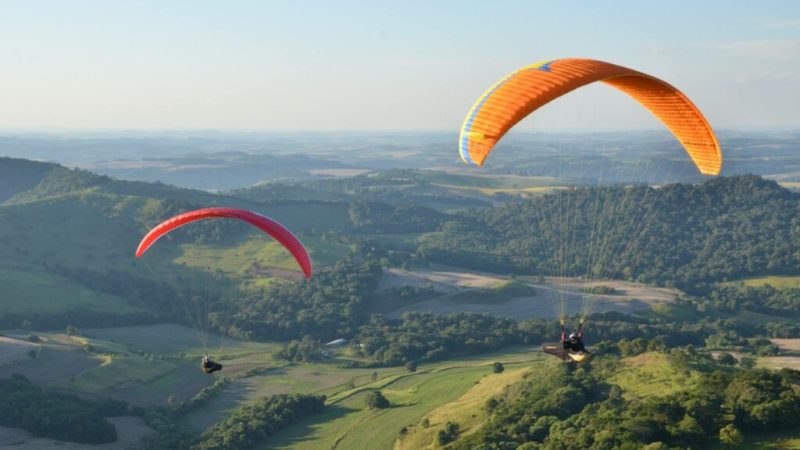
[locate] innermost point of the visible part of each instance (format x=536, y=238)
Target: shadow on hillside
x=307, y=429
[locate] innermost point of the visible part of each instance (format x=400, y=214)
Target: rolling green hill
x=19, y=175
x=430, y=189
x=68, y=238
x=681, y=235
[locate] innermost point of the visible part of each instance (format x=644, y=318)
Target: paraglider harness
x=571, y=348
x=575, y=341
x=210, y=366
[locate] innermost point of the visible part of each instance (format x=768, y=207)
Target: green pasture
x=28, y=292
x=778, y=282
x=349, y=424
x=258, y=252
x=468, y=410
x=99, y=231
x=301, y=378
x=651, y=374
x=177, y=340
x=116, y=371
x=773, y=441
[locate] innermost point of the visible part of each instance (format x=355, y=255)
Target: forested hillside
x=561, y=408
x=682, y=235
x=21, y=175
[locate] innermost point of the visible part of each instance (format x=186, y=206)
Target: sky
x=390, y=66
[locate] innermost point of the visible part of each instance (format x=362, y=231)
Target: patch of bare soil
x=627, y=297
x=788, y=345
x=444, y=280
x=780, y=362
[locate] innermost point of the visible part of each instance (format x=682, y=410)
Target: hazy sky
x=399, y=65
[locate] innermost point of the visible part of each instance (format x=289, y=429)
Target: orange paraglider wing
x=265, y=224
x=519, y=94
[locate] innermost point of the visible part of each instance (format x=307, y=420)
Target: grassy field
x=467, y=411
x=651, y=374
x=97, y=231
x=28, y=292
x=779, y=362
x=117, y=368
x=336, y=383
x=176, y=340
x=54, y=363
x=778, y=282
x=114, y=372
x=761, y=319
x=777, y=441
x=258, y=251
x=302, y=378
x=348, y=424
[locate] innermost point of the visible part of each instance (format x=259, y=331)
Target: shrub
x=498, y=367
x=376, y=400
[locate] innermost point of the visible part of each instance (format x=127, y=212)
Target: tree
x=747, y=362
x=249, y=426
x=726, y=359
x=730, y=436
x=498, y=367
x=56, y=415
x=305, y=350
x=448, y=434
x=541, y=428
x=72, y=330
x=376, y=400
x=411, y=366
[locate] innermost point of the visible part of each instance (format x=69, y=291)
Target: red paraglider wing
x=265, y=224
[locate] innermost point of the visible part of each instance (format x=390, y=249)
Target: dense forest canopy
x=252, y=425
x=682, y=235
x=57, y=415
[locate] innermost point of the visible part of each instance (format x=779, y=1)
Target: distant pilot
x=210, y=366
